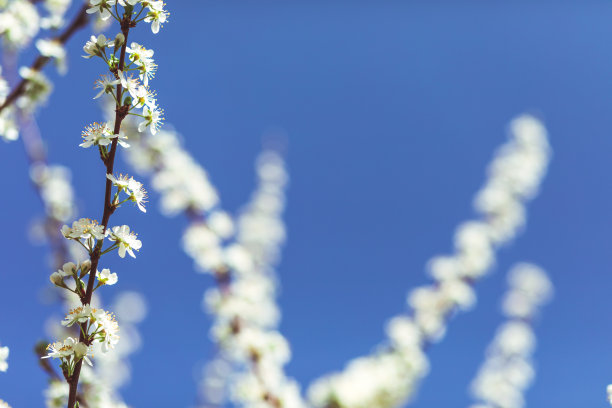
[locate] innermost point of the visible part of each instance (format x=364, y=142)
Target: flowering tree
x=241, y=252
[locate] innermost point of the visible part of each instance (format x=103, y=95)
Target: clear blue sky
x=393, y=109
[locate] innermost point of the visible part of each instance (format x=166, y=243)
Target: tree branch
x=120, y=114
x=79, y=21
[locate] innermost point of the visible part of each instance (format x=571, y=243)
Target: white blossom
x=132, y=188
x=107, y=328
x=101, y=6
x=153, y=118
x=65, y=350
x=106, y=84
x=106, y=277
x=143, y=58
x=125, y=239
x=84, y=228
x=95, y=46
x=157, y=16
x=98, y=134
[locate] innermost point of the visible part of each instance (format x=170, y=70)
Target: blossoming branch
x=20, y=23
x=98, y=327
x=390, y=376
x=508, y=369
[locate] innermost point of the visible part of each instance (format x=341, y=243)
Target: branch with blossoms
x=20, y=23
x=49, y=49
x=52, y=185
x=240, y=254
x=508, y=369
x=391, y=376
x=98, y=327
x=500, y=203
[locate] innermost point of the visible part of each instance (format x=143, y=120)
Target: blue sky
x=392, y=109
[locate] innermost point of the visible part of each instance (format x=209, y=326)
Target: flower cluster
x=53, y=49
x=154, y=10
x=77, y=272
x=508, y=370
x=241, y=255
x=182, y=183
x=19, y=23
x=56, y=12
x=54, y=185
x=90, y=234
x=101, y=135
x=100, y=325
x=134, y=190
x=36, y=91
x=100, y=383
x=514, y=177
x=247, y=316
x=70, y=352
x=140, y=62
x=85, y=231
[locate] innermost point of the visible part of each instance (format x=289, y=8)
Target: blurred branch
x=79, y=21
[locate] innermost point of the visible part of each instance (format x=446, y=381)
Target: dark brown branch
x=109, y=208
x=79, y=21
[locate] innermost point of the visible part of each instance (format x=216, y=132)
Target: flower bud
x=119, y=40
x=57, y=279
x=80, y=350
x=85, y=267
x=70, y=268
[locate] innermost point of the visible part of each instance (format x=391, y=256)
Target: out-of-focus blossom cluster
x=514, y=177
x=508, y=369
x=35, y=92
x=20, y=23
x=241, y=255
x=181, y=182
x=54, y=184
x=246, y=313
